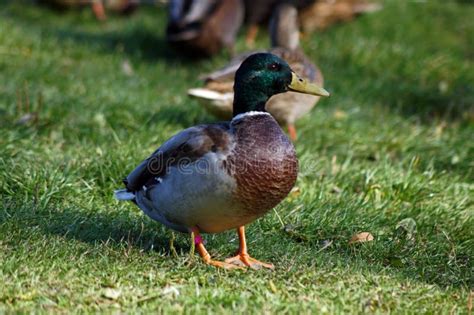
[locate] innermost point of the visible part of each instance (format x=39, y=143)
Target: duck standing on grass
x=216, y=177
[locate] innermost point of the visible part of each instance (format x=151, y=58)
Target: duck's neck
x=247, y=99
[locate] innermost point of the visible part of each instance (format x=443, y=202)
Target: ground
x=390, y=153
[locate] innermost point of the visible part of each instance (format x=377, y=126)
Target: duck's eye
x=274, y=67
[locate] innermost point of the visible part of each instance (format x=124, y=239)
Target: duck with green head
x=215, y=177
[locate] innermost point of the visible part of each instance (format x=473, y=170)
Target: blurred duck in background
x=217, y=94
x=323, y=13
x=119, y=6
x=204, y=27
x=99, y=7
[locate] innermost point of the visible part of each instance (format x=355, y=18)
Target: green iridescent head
x=263, y=75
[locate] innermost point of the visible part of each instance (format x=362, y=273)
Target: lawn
x=390, y=153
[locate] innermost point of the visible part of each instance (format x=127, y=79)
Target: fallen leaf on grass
x=127, y=68
x=361, y=238
x=273, y=288
x=25, y=119
x=295, y=191
x=336, y=190
x=340, y=114
x=325, y=244
x=406, y=228
x=111, y=294
x=170, y=291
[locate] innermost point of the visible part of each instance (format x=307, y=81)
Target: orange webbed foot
x=221, y=264
x=198, y=241
x=244, y=260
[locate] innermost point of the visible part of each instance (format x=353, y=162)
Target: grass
x=390, y=153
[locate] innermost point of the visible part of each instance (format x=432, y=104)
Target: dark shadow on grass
x=148, y=45
x=400, y=259
x=136, y=39
x=137, y=43
x=117, y=229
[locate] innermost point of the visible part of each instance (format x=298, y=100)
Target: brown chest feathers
x=263, y=163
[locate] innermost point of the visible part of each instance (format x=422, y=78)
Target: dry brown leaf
x=273, y=288
x=171, y=291
x=111, y=294
x=361, y=238
x=336, y=190
x=295, y=192
x=340, y=114
x=335, y=168
x=127, y=68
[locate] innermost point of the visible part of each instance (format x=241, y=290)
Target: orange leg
x=99, y=11
x=205, y=255
x=243, y=258
x=292, y=131
x=251, y=35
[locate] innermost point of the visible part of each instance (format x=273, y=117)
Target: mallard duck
x=217, y=96
x=204, y=27
x=215, y=177
x=324, y=13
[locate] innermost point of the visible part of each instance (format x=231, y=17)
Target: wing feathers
x=187, y=146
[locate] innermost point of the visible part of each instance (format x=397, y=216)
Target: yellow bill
x=303, y=86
